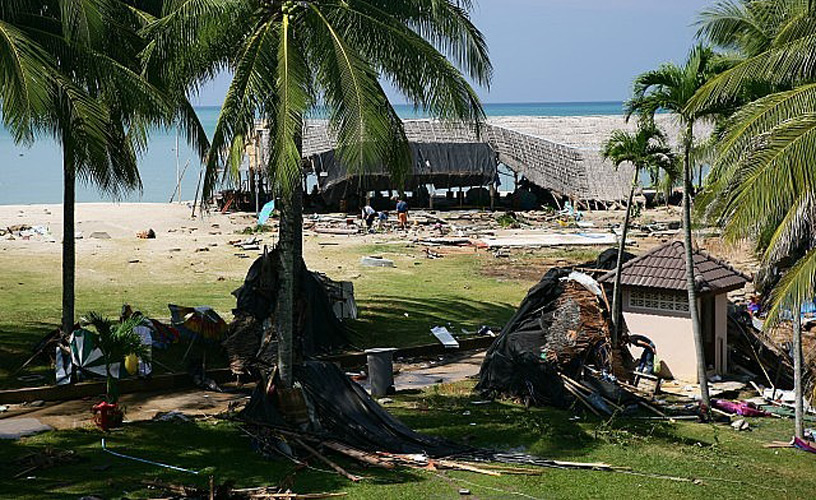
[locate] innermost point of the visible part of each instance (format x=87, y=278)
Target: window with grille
x=659, y=300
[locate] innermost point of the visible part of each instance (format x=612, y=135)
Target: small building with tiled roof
x=655, y=305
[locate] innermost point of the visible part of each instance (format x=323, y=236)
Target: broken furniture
x=652, y=382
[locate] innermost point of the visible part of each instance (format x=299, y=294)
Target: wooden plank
x=126, y=386
x=354, y=359
x=328, y=462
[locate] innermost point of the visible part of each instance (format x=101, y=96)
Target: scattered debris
x=560, y=327
x=148, y=234
x=375, y=261
x=443, y=335
x=740, y=425
x=738, y=408
x=46, y=458
x=172, y=416
x=550, y=240
x=227, y=491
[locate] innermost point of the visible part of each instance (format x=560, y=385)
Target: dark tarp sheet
x=343, y=411
x=444, y=165
x=317, y=328
x=558, y=327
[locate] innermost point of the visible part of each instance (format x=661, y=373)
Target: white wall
x=673, y=338
x=672, y=334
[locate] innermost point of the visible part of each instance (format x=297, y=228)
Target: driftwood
x=225, y=491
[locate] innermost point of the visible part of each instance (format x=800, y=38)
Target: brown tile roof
x=665, y=267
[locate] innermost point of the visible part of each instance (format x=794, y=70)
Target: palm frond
x=290, y=108
x=795, y=287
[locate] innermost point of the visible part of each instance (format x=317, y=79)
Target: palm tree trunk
x=112, y=385
x=284, y=315
x=799, y=426
x=702, y=379
x=68, y=240
x=617, y=320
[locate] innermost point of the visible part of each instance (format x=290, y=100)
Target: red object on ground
x=107, y=415
x=739, y=408
x=804, y=445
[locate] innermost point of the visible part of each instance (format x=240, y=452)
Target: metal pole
x=798, y=404
x=178, y=170
x=257, y=171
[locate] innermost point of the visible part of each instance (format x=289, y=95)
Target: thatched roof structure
x=556, y=153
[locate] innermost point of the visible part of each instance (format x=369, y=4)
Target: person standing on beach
x=402, y=213
x=369, y=214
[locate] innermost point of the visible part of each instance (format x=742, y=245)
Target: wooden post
x=799, y=405
x=492, y=196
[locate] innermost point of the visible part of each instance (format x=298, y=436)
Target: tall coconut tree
x=71, y=71
x=292, y=58
x=762, y=188
x=646, y=151
x=670, y=88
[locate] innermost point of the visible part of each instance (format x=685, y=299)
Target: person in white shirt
x=369, y=214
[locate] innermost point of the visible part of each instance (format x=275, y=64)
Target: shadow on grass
x=220, y=450
x=384, y=321
x=17, y=344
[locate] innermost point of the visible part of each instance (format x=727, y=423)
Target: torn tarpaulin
x=251, y=337
x=340, y=409
x=560, y=326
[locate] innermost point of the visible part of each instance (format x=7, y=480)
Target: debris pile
x=336, y=415
x=251, y=340
x=561, y=326
x=26, y=232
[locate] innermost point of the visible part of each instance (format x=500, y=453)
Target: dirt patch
x=530, y=265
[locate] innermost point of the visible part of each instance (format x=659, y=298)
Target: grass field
x=398, y=306
x=717, y=461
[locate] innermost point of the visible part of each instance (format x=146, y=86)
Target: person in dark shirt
x=402, y=213
x=646, y=363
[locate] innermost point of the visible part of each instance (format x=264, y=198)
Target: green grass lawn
x=398, y=306
x=724, y=463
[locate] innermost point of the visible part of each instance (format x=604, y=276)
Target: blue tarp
x=266, y=212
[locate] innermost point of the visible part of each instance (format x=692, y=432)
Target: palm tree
x=70, y=70
x=761, y=186
x=749, y=27
x=645, y=150
x=670, y=88
x=116, y=341
x=292, y=58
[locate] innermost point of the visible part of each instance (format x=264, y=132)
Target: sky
x=566, y=50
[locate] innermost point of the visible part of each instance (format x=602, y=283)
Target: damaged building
x=655, y=304
x=553, y=157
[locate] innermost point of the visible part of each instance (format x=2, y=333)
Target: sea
x=33, y=174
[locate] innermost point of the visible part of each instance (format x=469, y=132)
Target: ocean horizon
x=33, y=175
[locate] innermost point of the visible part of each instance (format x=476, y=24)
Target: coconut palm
x=670, y=88
x=70, y=70
x=749, y=27
x=645, y=150
x=293, y=58
x=116, y=340
x=761, y=185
